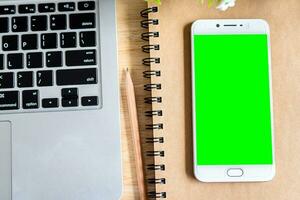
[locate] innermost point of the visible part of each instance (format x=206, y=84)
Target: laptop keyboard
x=49, y=58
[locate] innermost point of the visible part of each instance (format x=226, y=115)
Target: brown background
x=130, y=56
x=176, y=17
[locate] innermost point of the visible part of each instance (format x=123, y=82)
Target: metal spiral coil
x=148, y=62
x=153, y=113
x=148, y=48
x=156, y=167
x=154, y=126
x=146, y=36
x=151, y=100
x=149, y=22
x=155, y=140
x=156, y=181
x=150, y=87
x=149, y=74
x=157, y=195
x=155, y=153
x=145, y=13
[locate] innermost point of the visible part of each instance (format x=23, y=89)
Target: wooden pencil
x=133, y=117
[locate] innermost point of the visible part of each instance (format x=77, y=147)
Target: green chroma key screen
x=232, y=100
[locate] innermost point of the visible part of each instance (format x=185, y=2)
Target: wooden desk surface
x=130, y=56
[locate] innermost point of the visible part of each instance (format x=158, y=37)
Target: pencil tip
x=127, y=69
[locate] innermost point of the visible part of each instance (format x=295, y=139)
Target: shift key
x=81, y=58
x=76, y=77
x=9, y=100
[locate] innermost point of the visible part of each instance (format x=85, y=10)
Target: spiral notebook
x=168, y=65
x=154, y=99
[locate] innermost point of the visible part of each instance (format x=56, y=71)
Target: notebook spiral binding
x=147, y=62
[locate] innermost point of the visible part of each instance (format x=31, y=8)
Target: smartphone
x=232, y=101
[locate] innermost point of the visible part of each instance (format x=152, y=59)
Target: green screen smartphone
x=232, y=101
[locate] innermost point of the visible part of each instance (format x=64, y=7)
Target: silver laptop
x=59, y=101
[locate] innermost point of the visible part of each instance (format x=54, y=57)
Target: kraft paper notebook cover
x=169, y=66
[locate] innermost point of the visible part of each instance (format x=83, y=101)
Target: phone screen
x=232, y=100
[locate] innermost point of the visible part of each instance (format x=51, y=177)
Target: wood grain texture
x=176, y=17
x=130, y=56
x=136, y=139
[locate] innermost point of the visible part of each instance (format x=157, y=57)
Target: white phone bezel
x=249, y=173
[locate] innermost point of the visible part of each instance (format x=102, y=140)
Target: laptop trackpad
x=5, y=160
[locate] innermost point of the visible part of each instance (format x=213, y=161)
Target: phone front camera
x=218, y=25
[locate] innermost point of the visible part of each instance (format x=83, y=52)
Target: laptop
x=59, y=101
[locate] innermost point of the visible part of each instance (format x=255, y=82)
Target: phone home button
x=235, y=172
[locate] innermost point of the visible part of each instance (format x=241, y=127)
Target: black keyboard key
x=9, y=100
x=65, y=7
x=50, y=103
x=86, y=5
x=6, y=80
x=49, y=41
x=1, y=61
x=68, y=40
x=71, y=93
x=44, y=78
x=54, y=59
x=82, y=21
x=29, y=8
x=29, y=42
x=3, y=25
x=30, y=99
x=10, y=43
x=87, y=39
x=15, y=61
x=25, y=79
x=58, y=22
x=39, y=23
x=69, y=97
x=46, y=7
x=89, y=101
x=76, y=76
x=7, y=10
x=81, y=57
x=34, y=60
x=19, y=24
x=69, y=102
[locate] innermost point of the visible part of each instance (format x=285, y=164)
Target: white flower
x=225, y=4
